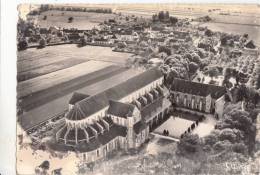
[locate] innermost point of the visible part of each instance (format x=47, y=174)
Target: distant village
x=188, y=69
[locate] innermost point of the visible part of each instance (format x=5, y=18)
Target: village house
x=199, y=97
x=118, y=118
x=102, y=41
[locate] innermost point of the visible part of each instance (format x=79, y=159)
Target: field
x=46, y=81
x=52, y=64
x=34, y=62
x=252, y=31
x=46, y=95
x=82, y=20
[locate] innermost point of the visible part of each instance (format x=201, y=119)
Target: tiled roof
x=94, y=143
x=120, y=109
x=77, y=97
x=199, y=89
x=153, y=108
x=75, y=113
x=149, y=109
x=139, y=127
x=99, y=101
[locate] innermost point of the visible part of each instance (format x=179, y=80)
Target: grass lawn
x=175, y=125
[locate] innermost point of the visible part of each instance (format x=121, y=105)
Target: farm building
x=118, y=118
x=198, y=97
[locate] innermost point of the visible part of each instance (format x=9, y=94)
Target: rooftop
x=120, y=109
x=199, y=89
x=94, y=142
x=92, y=104
x=77, y=97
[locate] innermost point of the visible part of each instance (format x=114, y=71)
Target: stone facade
x=198, y=97
x=119, y=118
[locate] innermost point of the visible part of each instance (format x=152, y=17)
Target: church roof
x=94, y=142
x=75, y=113
x=93, y=104
x=199, y=89
x=120, y=109
x=139, y=126
x=77, y=97
x=250, y=44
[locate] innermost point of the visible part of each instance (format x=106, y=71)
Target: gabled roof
x=93, y=104
x=199, y=89
x=250, y=44
x=77, y=97
x=120, y=109
x=139, y=126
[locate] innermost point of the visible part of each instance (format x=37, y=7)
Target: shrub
x=193, y=67
x=42, y=43
x=189, y=144
x=70, y=19
x=22, y=45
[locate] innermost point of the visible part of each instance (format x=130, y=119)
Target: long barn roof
x=93, y=104
x=199, y=89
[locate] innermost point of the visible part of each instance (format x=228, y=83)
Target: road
x=46, y=111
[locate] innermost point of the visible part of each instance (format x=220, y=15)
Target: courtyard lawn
x=175, y=125
x=204, y=128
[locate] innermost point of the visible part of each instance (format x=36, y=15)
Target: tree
x=155, y=17
x=222, y=146
x=161, y=16
x=232, y=135
x=166, y=15
x=223, y=40
x=189, y=144
x=23, y=44
x=171, y=75
x=212, y=72
x=193, y=67
x=165, y=49
x=212, y=138
x=70, y=19
x=91, y=166
x=173, y=20
x=240, y=148
x=196, y=58
x=45, y=165
x=208, y=33
x=83, y=42
x=42, y=43
x=57, y=171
